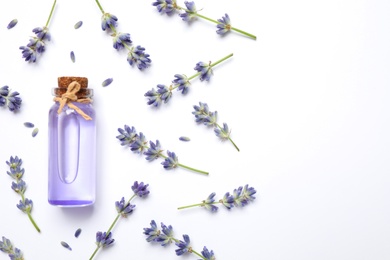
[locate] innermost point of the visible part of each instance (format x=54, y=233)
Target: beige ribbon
x=70, y=96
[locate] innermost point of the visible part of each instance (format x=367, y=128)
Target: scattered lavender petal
x=107, y=82
x=77, y=233
x=184, y=138
x=64, y=244
x=35, y=132
x=78, y=24
x=12, y=24
x=28, y=124
x=72, y=57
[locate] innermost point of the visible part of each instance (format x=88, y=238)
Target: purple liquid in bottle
x=72, y=150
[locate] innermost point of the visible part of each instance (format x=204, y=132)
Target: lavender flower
x=15, y=163
x=140, y=189
x=189, y=12
x=153, y=232
x=138, y=144
x=208, y=255
x=104, y=239
x=205, y=70
x=208, y=203
x=203, y=115
x=171, y=161
x=19, y=187
x=227, y=200
x=136, y=55
x=16, y=255
x=16, y=172
x=37, y=43
x=224, y=25
x=164, y=237
x=154, y=151
x=10, y=99
x=240, y=198
x=181, y=82
x=124, y=209
x=109, y=21
x=120, y=40
x=7, y=247
x=184, y=246
x=165, y=6
x=107, y=82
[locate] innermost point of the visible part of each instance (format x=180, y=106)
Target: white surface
x=308, y=104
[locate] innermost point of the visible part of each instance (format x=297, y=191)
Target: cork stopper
x=63, y=83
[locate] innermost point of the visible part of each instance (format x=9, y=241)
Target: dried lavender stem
x=51, y=13
x=214, y=21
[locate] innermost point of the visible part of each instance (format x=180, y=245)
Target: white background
x=307, y=102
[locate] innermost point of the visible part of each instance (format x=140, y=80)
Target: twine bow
x=70, y=96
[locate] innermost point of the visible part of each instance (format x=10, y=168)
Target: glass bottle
x=72, y=144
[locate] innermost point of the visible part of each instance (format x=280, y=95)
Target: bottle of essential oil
x=72, y=144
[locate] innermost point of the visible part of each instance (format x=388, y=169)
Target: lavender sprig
x=10, y=99
x=124, y=209
x=190, y=13
x=136, y=55
x=19, y=186
x=239, y=198
x=37, y=43
x=7, y=247
x=164, y=237
x=138, y=144
x=205, y=116
x=181, y=82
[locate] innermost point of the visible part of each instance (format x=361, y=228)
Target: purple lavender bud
x=224, y=25
x=141, y=189
x=184, y=246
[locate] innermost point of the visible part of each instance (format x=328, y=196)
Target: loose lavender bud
x=64, y=244
x=77, y=233
x=78, y=24
x=35, y=132
x=107, y=82
x=184, y=138
x=28, y=125
x=12, y=24
x=72, y=57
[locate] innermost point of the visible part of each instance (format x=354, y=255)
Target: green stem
x=94, y=253
x=51, y=12
x=245, y=33
x=33, y=222
x=100, y=7
x=192, y=169
x=182, y=165
x=216, y=22
x=230, y=139
x=190, y=206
